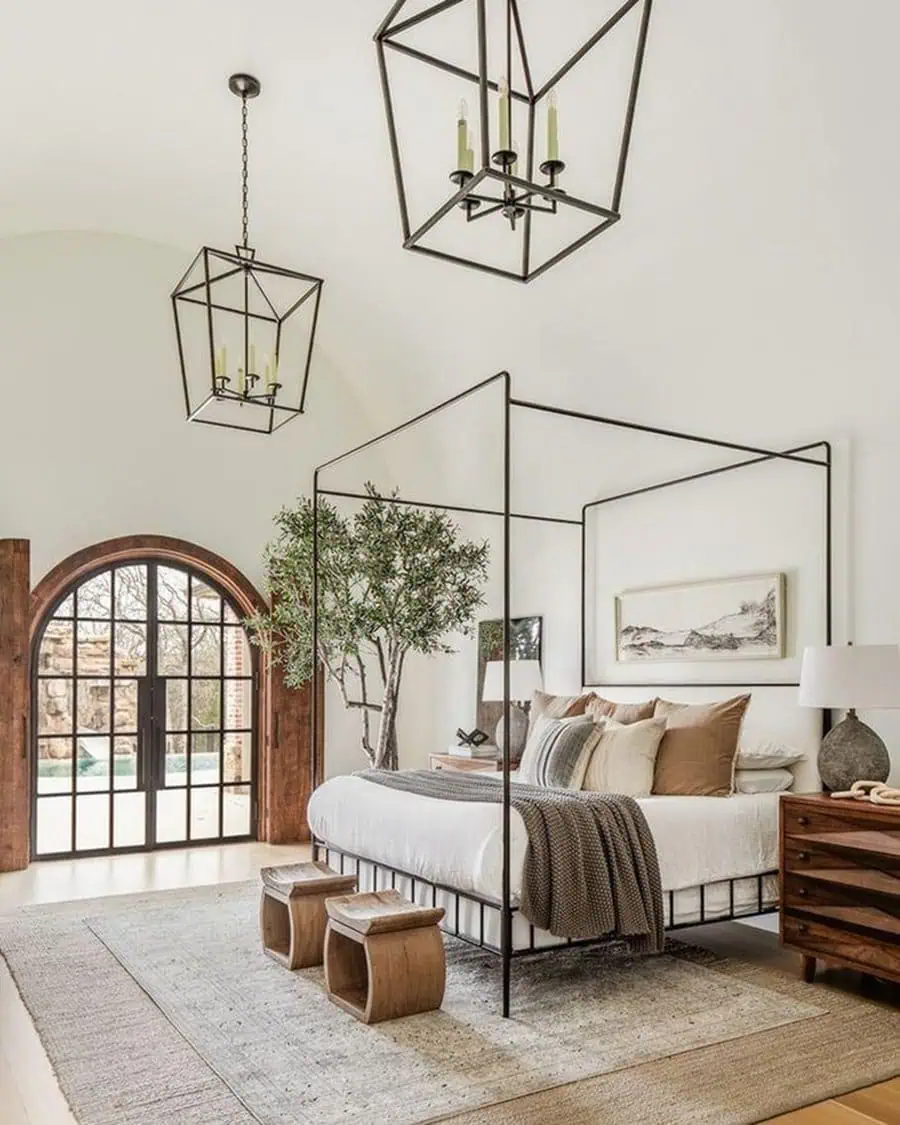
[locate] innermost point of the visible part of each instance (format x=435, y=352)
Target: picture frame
x=743, y=617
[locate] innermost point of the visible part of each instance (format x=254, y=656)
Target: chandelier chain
x=245, y=222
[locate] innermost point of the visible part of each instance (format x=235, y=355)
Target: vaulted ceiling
x=759, y=229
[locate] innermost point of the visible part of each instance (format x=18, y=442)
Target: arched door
x=143, y=705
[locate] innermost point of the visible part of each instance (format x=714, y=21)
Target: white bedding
x=699, y=840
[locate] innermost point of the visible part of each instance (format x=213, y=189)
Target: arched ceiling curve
x=117, y=119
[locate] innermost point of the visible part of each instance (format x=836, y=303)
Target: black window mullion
x=73, y=798
x=221, y=831
x=112, y=703
x=151, y=747
x=189, y=747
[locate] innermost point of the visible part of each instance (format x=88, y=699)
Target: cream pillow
x=767, y=756
x=625, y=757
x=763, y=781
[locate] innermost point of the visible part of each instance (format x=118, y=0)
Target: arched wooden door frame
x=282, y=713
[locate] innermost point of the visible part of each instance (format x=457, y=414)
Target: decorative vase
x=850, y=752
x=518, y=732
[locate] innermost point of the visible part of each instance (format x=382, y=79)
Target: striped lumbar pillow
x=558, y=751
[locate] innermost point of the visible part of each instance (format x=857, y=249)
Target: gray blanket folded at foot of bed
x=590, y=867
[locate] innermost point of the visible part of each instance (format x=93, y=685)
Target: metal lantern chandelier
x=514, y=207
x=245, y=328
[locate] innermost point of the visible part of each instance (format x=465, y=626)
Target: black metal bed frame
x=751, y=455
x=323, y=850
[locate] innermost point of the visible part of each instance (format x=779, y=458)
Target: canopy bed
x=468, y=842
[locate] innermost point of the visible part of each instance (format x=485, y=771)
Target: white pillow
x=624, y=758
x=767, y=756
x=763, y=781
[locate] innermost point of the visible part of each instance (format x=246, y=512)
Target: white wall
x=93, y=439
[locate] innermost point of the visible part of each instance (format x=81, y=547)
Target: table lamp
x=846, y=677
x=524, y=680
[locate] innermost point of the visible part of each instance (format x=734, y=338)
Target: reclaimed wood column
x=15, y=623
x=285, y=779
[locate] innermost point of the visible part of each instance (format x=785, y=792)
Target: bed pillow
x=624, y=757
x=558, y=751
x=697, y=752
x=625, y=713
x=762, y=781
x=768, y=756
x=555, y=707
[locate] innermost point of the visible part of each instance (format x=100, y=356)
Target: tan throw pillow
x=600, y=708
x=548, y=706
x=624, y=758
x=696, y=755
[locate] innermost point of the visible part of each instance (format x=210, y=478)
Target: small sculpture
x=876, y=792
x=474, y=737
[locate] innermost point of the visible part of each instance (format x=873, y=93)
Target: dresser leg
x=809, y=969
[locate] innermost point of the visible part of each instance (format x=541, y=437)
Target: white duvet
x=699, y=840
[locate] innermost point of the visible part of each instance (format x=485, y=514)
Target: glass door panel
x=144, y=698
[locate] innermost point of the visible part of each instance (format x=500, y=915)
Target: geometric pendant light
x=503, y=190
x=245, y=328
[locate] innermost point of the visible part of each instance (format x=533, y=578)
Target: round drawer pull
x=802, y=892
x=803, y=820
x=803, y=856
x=803, y=928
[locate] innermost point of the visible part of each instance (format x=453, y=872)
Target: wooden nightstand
x=840, y=883
x=464, y=765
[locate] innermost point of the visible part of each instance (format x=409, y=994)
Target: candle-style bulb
x=503, y=112
x=552, y=127
x=462, y=137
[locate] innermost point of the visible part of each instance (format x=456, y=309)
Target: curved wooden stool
x=384, y=956
x=292, y=916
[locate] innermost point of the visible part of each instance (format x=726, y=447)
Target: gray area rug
x=161, y=1008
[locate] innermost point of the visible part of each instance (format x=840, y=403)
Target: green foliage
x=392, y=579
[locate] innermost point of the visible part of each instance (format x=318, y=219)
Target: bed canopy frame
x=818, y=454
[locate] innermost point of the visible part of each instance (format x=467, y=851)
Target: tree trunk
x=386, y=750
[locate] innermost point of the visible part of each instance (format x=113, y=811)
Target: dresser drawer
x=800, y=856
x=799, y=891
x=801, y=817
x=831, y=942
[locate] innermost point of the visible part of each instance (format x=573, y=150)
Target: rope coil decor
x=876, y=792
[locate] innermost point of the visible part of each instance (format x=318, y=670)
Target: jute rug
x=160, y=1009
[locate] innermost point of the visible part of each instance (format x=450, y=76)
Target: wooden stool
x=292, y=916
x=384, y=956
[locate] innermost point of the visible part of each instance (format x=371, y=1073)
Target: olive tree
x=392, y=579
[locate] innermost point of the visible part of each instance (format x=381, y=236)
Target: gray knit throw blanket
x=590, y=867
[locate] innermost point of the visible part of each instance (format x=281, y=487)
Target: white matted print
x=720, y=619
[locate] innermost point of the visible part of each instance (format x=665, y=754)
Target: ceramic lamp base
x=850, y=752
x=518, y=728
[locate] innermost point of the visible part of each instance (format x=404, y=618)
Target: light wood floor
x=29, y=1094
x=879, y=1105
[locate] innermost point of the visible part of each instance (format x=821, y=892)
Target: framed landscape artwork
x=524, y=644
x=720, y=619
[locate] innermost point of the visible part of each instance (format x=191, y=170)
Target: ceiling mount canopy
x=245, y=328
x=522, y=194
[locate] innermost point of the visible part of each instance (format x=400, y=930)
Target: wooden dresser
x=840, y=883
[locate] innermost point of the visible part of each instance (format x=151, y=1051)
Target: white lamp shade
x=845, y=676
x=524, y=680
